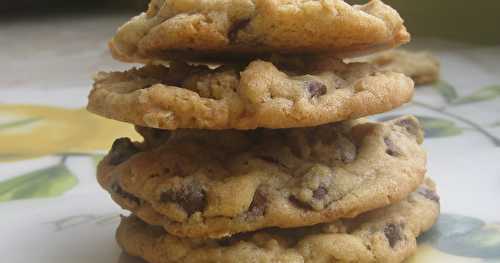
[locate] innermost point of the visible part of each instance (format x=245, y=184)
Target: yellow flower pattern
x=29, y=131
x=427, y=253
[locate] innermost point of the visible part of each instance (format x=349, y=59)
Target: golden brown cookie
x=203, y=30
x=289, y=93
x=422, y=67
x=384, y=235
x=201, y=183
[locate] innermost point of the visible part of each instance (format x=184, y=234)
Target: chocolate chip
x=258, y=205
x=393, y=234
x=392, y=149
x=429, y=194
x=122, y=150
x=316, y=88
x=116, y=188
x=191, y=198
x=410, y=125
x=235, y=28
x=296, y=202
x=320, y=192
x=194, y=202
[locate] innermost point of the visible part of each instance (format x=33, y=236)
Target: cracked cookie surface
x=207, y=30
x=289, y=93
x=202, y=183
x=384, y=235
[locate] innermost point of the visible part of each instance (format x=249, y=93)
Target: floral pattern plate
x=52, y=209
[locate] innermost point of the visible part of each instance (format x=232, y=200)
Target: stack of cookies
x=255, y=147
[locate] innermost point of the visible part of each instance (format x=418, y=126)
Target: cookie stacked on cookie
x=255, y=149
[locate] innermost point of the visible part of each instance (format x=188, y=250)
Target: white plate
x=61, y=215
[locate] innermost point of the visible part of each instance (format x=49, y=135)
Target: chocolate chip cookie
x=422, y=67
x=222, y=30
x=384, y=235
x=284, y=94
x=202, y=183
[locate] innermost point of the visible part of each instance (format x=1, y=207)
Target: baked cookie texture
x=201, y=183
x=221, y=30
x=422, y=66
x=384, y=235
x=255, y=149
x=284, y=93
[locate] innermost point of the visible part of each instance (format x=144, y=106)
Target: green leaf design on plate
x=72, y=221
x=108, y=219
x=464, y=236
x=434, y=127
x=48, y=182
x=82, y=219
x=18, y=123
x=484, y=94
x=96, y=159
x=446, y=90
x=452, y=225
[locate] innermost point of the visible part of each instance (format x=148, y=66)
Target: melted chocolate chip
x=235, y=28
x=191, y=198
x=410, y=125
x=316, y=88
x=392, y=149
x=296, y=202
x=122, y=150
x=393, y=234
x=320, y=192
x=429, y=194
x=119, y=191
x=258, y=205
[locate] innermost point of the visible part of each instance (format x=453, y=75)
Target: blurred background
x=49, y=143
x=457, y=20
x=41, y=39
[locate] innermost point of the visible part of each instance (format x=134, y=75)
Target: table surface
x=52, y=209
